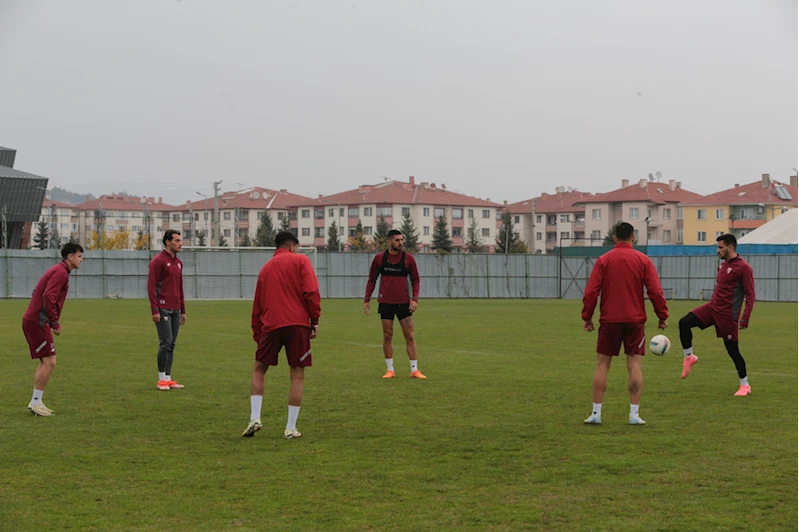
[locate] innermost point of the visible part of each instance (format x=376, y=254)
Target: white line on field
x=772, y=374
x=460, y=351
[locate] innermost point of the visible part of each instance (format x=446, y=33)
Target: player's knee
x=685, y=322
x=387, y=336
x=49, y=362
x=409, y=336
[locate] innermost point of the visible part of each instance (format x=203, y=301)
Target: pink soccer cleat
x=687, y=363
x=743, y=390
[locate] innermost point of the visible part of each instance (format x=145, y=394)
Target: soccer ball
x=659, y=345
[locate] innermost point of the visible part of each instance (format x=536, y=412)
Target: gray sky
x=502, y=99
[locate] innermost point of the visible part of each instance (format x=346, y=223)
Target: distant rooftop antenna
x=658, y=175
x=651, y=177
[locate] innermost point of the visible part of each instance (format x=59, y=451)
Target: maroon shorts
x=726, y=326
x=612, y=335
x=40, y=339
x=297, y=341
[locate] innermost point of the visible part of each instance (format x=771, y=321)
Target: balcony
x=579, y=223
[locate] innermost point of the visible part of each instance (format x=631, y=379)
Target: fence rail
x=232, y=274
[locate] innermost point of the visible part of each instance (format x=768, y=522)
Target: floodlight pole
x=216, y=210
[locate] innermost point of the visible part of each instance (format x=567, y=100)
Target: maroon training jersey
x=48, y=296
x=393, y=278
x=620, y=275
x=165, y=283
x=734, y=282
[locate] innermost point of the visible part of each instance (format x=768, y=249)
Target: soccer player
x=620, y=276
x=40, y=321
x=285, y=312
x=165, y=289
x=394, y=266
x=734, y=282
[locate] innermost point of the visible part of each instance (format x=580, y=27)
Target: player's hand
x=366, y=308
x=157, y=318
x=314, y=331
x=588, y=325
x=182, y=319
x=662, y=324
x=743, y=325
x=414, y=306
x=56, y=330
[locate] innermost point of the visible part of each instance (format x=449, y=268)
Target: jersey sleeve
x=372, y=282
x=182, y=301
x=592, y=289
x=257, y=310
x=414, y=271
x=152, y=281
x=54, y=288
x=310, y=290
x=654, y=290
x=748, y=280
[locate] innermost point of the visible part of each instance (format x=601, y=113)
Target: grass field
x=493, y=440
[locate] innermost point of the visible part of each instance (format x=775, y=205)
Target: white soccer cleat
x=593, y=419
x=40, y=410
x=291, y=434
x=252, y=428
x=636, y=420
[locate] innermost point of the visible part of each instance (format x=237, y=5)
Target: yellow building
x=737, y=210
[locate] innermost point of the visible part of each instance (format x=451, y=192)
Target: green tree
x=333, y=240
x=381, y=234
x=508, y=238
x=474, y=241
x=222, y=242
x=408, y=230
x=442, y=243
x=201, y=237
x=246, y=242
x=265, y=235
x=42, y=238
x=358, y=242
x=611, y=233
x=285, y=224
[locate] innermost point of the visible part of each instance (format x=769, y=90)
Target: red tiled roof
x=251, y=198
x=561, y=202
x=125, y=203
x=59, y=204
x=399, y=192
x=748, y=194
x=748, y=224
x=658, y=193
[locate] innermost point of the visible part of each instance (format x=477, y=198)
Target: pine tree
x=474, y=241
x=265, y=235
x=408, y=230
x=285, y=224
x=381, y=234
x=222, y=242
x=201, y=238
x=246, y=242
x=442, y=243
x=508, y=238
x=333, y=240
x=359, y=241
x=42, y=238
x=611, y=233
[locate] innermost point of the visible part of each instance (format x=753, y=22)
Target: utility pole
x=4, y=214
x=216, y=212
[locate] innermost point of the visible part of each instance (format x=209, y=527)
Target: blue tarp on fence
x=700, y=251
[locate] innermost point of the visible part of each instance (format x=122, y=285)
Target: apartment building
x=651, y=208
x=110, y=215
x=522, y=217
x=737, y=210
x=239, y=214
x=425, y=202
x=60, y=218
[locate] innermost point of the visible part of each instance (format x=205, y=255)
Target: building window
x=564, y=234
x=486, y=213
x=633, y=213
x=471, y=213
x=516, y=219
x=596, y=235
x=293, y=216
x=538, y=218
x=719, y=233
x=636, y=235
x=486, y=231
x=538, y=236
x=649, y=213
x=367, y=211
x=122, y=215
x=426, y=249
x=499, y=214
x=205, y=216
x=426, y=230
x=439, y=212
x=701, y=236
x=679, y=213
x=175, y=217
x=331, y=213
x=406, y=211
x=319, y=232
x=352, y=232
x=367, y=230
x=667, y=214
x=457, y=231
x=384, y=211
x=564, y=217
x=134, y=228
x=227, y=232
x=701, y=214
x=306, y=231
x=666, y=235
x=426, y=211
x=341, y=212
x=196, y=216
x=552, y=220
x=719, y=214
x=457, y=214
x=743, y=233
x=353, y=212
x=186, y=216
x=306, y=213
x=319, y=214
x=679, y=236
x=226, y=215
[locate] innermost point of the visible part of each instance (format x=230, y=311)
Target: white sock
x=414, y=365
x=390, y=364
x=161, y=376
x=597, y=409
x=688, y=352
x=168, y=377
x=255, y=406
x=37, y=397
x=634, y=410
x=745, y=381
x=294, y=412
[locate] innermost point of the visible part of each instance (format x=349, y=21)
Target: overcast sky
x=497, y=99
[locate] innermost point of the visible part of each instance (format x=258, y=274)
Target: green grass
x=493, y=440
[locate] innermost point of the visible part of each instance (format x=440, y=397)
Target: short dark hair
x=393, y=233
x=70, y=248
x=170, y=233
x=284, y=237
x=728, y=239
x=624, y=231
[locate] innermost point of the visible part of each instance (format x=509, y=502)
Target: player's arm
x=748, y=279
x=55, y=284
x=591, y=294
x=256, y=311
x=415, y=282
x=152, y=291
x=655, y=293
x=310, y=292
x=182, y=302
x=371, y=283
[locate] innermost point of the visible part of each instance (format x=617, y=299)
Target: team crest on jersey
x=169, y=264
x=179, y=266
x=729, y=270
